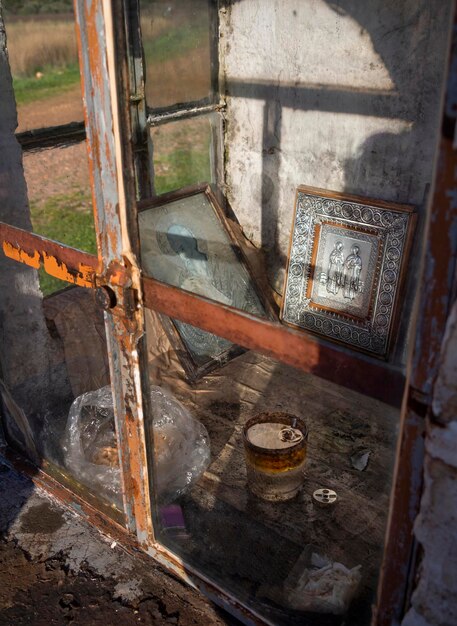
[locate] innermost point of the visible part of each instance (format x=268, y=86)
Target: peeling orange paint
x=82, y=275
x=18, y=254
x=60, y=270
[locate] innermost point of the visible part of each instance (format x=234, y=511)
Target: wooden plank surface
x=249, y=545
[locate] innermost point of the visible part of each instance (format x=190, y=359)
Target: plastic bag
x=316, y=584
x=90, y=451
x=321, y=585
x=181, y=445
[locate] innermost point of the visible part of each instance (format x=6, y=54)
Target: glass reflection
x=298, y=559
x=176, y=43
x=186, y=242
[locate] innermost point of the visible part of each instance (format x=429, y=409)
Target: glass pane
x=252, y=505
x=44, y=63
x=57, y=403
x=60, y=200
x=187, y=242
x=184, y=153
x=176, y=42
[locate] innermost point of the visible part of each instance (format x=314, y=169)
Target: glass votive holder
x=275, y=446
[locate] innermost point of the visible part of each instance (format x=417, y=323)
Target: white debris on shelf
x=323, y=586
x=359, y=460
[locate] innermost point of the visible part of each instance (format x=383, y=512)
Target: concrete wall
x=346, y=96
x=434, y=601
x=342, y=95
x=26, y=353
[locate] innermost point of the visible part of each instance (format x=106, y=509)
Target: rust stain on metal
x=137, y=483
x=101, y=32
x=90, y=14
x=404, y=506
x=439, y=268
x=273, y=339
x=57, y=260
x=441, y=254
x=117, y=275
x=82, y=276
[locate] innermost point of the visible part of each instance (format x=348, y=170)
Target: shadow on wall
x=394, y=165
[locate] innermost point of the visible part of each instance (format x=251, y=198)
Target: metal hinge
x=115, y=292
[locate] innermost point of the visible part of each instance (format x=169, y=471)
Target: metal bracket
x=115, y=292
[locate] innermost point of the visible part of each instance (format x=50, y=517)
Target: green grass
x=67, y=219
x=184, y=167
x=53, y=82
x=174, y=42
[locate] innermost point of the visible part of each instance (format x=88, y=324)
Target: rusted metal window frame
x=185, y=110
x=107, y=88
x=157, y=118
x=52, y=136
x=178, y=111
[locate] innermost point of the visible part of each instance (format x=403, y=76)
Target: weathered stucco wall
x=339, y=95
x=434, y=601
x=345, y=95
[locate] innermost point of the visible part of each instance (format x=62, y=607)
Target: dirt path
x=62, y=109
x=57, y=172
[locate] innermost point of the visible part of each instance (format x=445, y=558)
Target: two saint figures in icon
x=344, y=272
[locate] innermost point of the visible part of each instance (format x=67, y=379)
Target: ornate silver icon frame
x=346, y=263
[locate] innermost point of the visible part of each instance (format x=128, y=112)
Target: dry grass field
x=40, y=45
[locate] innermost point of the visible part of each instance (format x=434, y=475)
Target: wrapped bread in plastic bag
x=181, y=445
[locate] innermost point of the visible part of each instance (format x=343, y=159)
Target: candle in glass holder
x=275, y=447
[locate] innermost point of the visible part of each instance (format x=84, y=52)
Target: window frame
x=108, y=89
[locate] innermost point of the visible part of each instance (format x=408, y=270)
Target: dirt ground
x=56, y=172
x=45, y=594
x=62, y=109
x=57, y=569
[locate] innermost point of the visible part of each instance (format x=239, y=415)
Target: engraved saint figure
x=205, y=275
x=199, y=275
x=352, y=271
x=335, y=269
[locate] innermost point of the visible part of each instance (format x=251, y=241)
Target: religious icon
x=345, y=268
x=335, y=271
x=352, y=270
x=186, y=242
